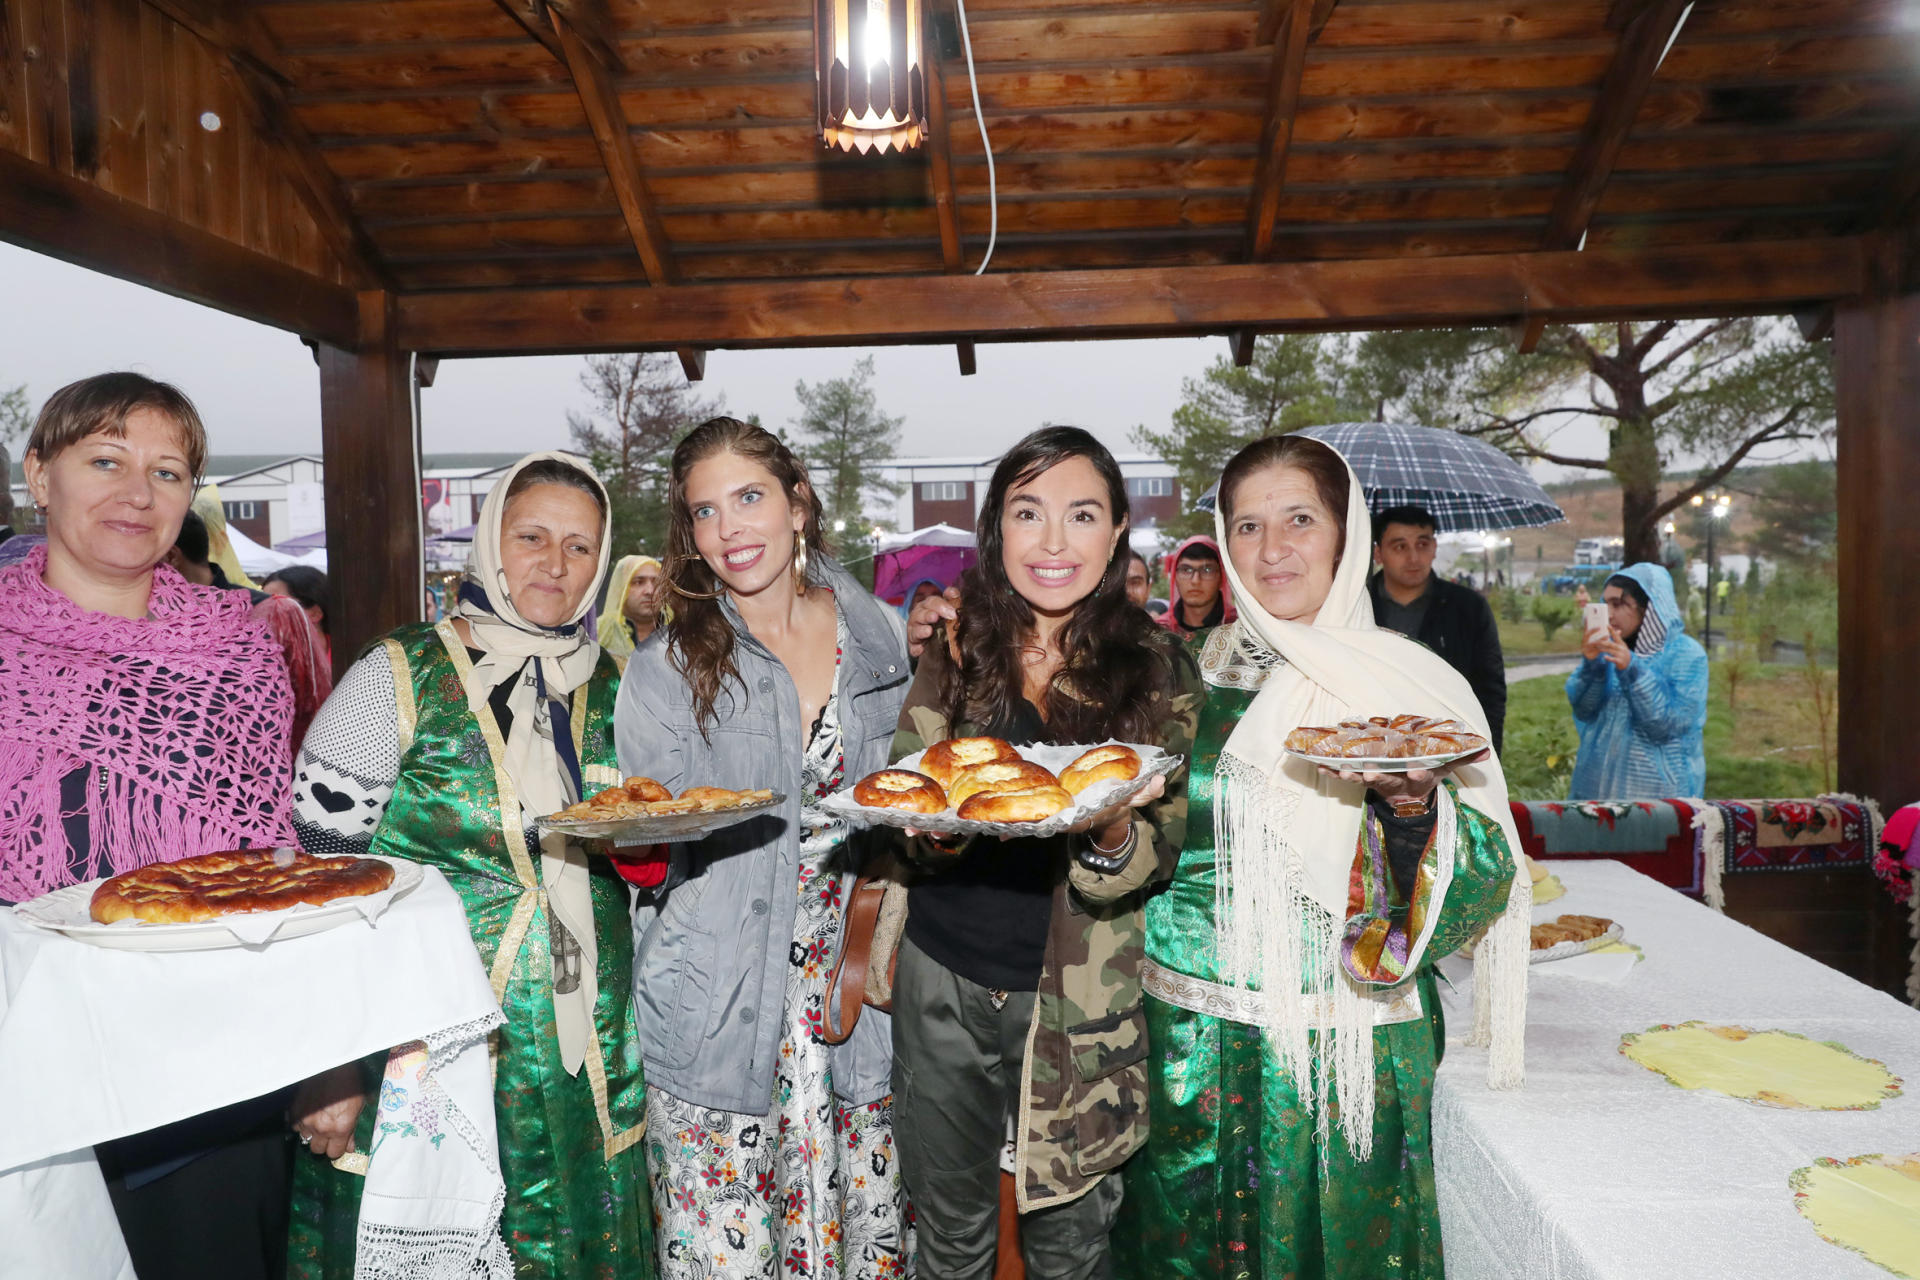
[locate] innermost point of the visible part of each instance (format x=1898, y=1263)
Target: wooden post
x=1877, y=378
x=372, y=485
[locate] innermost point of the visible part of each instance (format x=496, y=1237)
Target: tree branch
x=1769, y=434
x=1692, y=341
x=1651, y=339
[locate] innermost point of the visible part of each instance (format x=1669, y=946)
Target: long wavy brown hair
x=1114, y=679
x=700, y=638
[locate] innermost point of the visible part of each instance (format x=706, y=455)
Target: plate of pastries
x=988, y=786
x=1386, y=744
x=642, y=811
x=1571, y=935
x=224, y=899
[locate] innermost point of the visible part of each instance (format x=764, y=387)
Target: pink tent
x=940, y=552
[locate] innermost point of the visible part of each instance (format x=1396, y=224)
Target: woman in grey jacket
x=768, y=1150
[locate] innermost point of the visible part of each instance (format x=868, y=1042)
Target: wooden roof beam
x=247, y=57
x=1647, y=29
x=71, y=219
x=593, y=81
x=1303, y=296
x=940, y=174
x=1290, y=25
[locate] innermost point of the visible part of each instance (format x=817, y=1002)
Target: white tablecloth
x=1601, y=1170
x=97, y=1044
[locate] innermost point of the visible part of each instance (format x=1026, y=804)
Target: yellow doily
x=1775, y=1068
x=1548, y=890
x=1869, y=1205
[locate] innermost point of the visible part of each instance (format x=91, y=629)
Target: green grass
x=1768, y=747
x=1526, y=637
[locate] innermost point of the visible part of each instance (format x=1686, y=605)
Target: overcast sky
x=259, y=392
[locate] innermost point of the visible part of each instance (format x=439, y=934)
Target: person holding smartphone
x=1639, y=696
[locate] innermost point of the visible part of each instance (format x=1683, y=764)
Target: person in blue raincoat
x=1640, y=696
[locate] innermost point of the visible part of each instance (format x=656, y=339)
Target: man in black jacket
x=1453, y=621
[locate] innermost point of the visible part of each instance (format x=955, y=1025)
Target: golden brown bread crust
x=223, y=884
x=999, y=775
x=1115, y=762
x=646, y=790
x=943, y=760
x=900, y=789
x=645, y=798
x=1404, y=737
x=1032, y=804
x=1569, y=929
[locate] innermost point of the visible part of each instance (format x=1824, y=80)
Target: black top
x=987, y=917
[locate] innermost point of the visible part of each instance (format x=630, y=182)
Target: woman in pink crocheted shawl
x=142, y=719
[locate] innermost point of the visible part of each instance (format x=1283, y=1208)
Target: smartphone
x=1596, y=619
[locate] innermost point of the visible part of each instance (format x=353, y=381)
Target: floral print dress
x=812, y=1188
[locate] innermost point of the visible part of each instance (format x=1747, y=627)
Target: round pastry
x=646, y=789
x=1000, y=775
x=712, y=798
x=609, y=798
x=1114, y=762
x=944, y=759
x=1031, y=804
x=224, y=884
x=900, y=789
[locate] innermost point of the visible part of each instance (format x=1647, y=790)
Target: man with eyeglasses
x=1200, y=598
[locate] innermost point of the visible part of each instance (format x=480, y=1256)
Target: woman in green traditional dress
x=441, y=744
x=1293, y=1018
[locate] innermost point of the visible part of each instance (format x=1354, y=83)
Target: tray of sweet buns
x=641, y=811
x=1386, y=744
x=987, y=786
x=1571, y=935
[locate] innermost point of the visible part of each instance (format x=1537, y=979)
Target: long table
x=1601, y=1170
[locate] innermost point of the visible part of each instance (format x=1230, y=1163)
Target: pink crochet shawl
x=182, y=716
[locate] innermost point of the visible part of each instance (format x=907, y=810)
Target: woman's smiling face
x=1057, y=535
x=743, y=525
x=1283, y=541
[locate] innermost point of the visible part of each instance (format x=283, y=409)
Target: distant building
x=951, y=490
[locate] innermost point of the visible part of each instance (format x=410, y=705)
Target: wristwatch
x=1413, y=808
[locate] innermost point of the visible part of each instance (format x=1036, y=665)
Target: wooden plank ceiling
x=1126, y=133
x=488, y=145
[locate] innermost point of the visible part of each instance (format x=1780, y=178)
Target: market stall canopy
x=1466, y=483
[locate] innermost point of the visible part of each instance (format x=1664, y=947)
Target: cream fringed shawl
x=544, y=665
x=181, y=720
x=1288, y=836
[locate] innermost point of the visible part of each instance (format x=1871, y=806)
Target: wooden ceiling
x=1126, y=134
x=515, y=147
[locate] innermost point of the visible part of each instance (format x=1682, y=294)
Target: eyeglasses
x=1201, y=570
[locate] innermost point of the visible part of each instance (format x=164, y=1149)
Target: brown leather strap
x=849, y=976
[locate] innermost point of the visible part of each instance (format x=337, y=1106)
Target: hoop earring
x=800, y=565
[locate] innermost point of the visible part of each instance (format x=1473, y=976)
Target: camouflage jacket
x=1083, y=1094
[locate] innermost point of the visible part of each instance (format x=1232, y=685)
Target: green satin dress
x=1233, y=1181
x=577, y=1206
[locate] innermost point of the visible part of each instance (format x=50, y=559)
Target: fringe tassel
x=1913, y=931
x=1272, y=937
x=1712, y=826
x=1501, y=965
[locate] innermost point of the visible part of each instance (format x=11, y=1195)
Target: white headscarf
x=1288, y=833
x=557, y=660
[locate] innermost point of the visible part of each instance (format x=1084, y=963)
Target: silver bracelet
x=1109, y=862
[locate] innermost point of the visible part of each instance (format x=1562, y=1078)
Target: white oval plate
x=1154, y=763
x=661, y=828
x=67, y=911
x=1578, y=947
x=1403, y=764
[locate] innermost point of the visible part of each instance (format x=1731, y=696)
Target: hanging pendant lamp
x=872, y=76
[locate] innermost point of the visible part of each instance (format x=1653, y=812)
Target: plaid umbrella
x=1466, y=483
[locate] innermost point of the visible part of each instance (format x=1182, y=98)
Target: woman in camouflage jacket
x=1018, y=989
